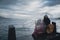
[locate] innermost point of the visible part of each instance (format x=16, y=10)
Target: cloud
x=7, y=2
x=52, y=2
x=4, y=4
x=25, y=7
x=28, y=8
x=52, y=10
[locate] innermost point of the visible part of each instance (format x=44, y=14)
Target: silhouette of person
x=46, y=20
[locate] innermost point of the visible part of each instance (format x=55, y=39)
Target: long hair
x=50, y=28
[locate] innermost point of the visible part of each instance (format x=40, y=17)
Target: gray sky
x=28, y=8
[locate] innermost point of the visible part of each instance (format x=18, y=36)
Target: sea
x=23, y=27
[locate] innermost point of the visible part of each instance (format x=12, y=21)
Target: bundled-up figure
x=50, y=29
x=46, y=20
x=39, y=28
x=43, y=28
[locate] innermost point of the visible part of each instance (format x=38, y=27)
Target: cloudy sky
x=29, y=8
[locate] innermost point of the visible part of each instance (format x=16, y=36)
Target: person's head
x=38, y=22
x=45, y=16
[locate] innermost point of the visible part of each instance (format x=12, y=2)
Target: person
x=39, y=29
x=50, y=29
x=46, y=20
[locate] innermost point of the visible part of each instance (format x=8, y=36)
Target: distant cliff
x=58, y=18
x=2, y=17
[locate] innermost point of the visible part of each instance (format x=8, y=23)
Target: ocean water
x=23, y=28
x=23, y=32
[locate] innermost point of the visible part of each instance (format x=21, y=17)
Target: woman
x=46, y=20
x=39, y=29
x=50, y=29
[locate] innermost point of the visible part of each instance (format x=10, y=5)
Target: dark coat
x=46, y=21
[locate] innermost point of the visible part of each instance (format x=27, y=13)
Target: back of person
x=50, y=29
x=39, y=28
x=46, y=20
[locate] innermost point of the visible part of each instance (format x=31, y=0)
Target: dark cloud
x=52, y=2
x=4, y=4
x=7, y=2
